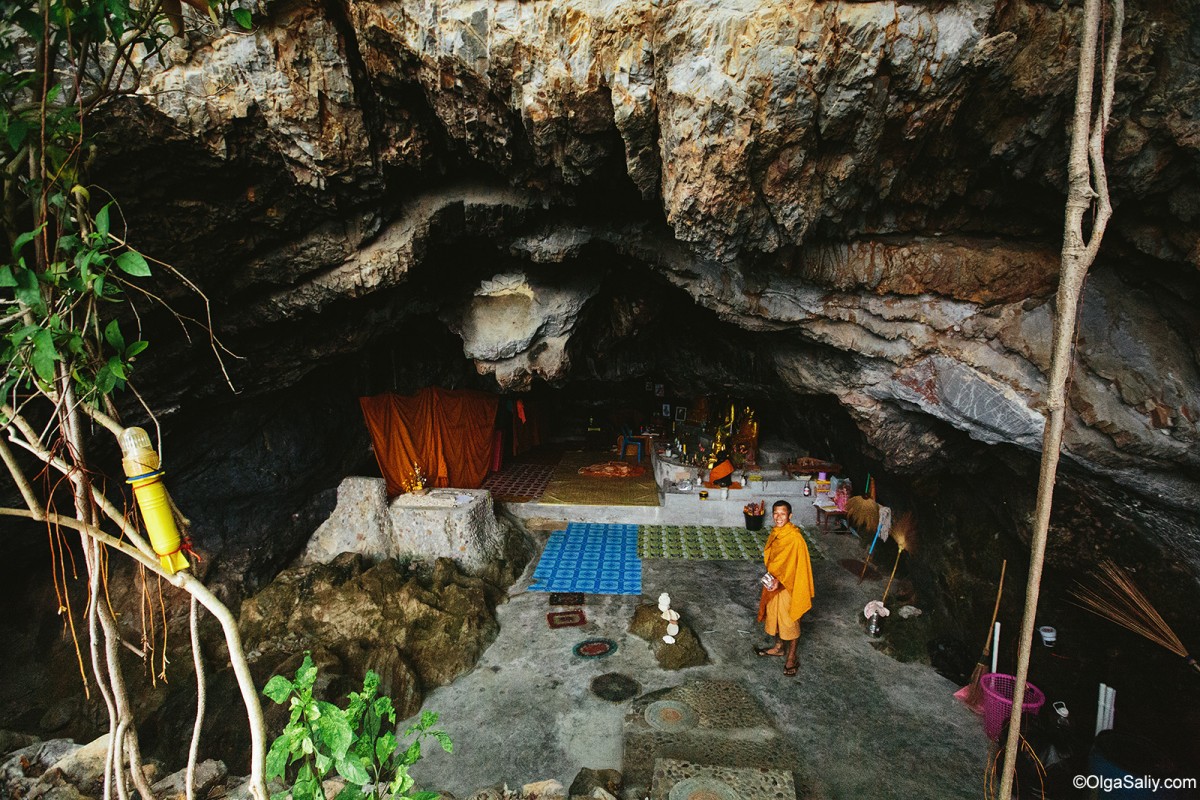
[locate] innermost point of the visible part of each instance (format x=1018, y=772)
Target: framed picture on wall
x=680, y=413
x=667, y=410
x=660, y=390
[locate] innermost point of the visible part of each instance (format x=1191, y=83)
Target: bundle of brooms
x=1117, y=598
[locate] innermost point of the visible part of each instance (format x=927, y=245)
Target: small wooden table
x=827, y=512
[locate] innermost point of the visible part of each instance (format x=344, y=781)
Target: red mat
x=519, y=482
x=566, y=619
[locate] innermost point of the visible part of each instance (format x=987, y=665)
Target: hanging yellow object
x=142, y=471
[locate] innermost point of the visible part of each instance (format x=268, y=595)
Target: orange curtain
x=448, y=433
x=527, y=426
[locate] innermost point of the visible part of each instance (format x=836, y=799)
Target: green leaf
x=17, y=131
x=23, y=333
x=132, y=262
x=6, y=277
x=333, y=730
x=25, y=238
x=31, y=23
x=112, y=334
x=413, y=754
x=83, y=261
x=307, y=787
x=135, y=348
x=385, y=745
x=278, y=688
x=26, y=279
x=350, y=791
x=277, y=758
x=106, y=381
x=383, y=708
x=117, y=368
x=102, y=220
x=44, y=355
x=352, y=770
x=425, y=796
x=444, y=739
x=306, y=675
x=242, y=17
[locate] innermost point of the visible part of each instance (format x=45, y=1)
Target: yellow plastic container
x=141, y=465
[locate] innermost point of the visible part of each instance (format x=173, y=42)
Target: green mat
x=708, y=543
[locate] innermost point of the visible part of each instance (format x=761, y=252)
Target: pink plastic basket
x=997, y=701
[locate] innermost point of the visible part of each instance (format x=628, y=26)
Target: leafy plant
x=320, y=738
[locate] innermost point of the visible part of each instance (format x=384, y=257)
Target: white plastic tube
x=995, y=645
x=1105, y=707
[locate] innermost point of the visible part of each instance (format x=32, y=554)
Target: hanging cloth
x=885, y=523
x=448, y=433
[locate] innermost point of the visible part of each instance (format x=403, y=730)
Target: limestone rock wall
x=870, y=191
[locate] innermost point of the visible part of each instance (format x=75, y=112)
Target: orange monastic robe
x=786, y=557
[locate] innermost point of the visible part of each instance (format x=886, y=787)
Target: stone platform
x=453, y=523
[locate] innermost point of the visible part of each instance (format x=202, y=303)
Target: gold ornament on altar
x=745, y=440
x=416, y=483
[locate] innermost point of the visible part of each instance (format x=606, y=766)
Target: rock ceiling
x=868, y=193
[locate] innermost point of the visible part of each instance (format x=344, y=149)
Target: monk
x=780, y=608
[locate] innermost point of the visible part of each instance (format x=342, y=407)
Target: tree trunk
x=1087, y=187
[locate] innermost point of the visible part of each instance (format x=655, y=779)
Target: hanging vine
x=66, y=268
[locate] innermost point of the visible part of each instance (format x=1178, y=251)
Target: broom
x=1119, y=600
x=973, y=690
x=863, y=514
x=905, y=534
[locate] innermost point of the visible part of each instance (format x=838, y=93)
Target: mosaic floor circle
x=701, y=788
x=595, y=648
x=670, y=716
x=615, y=687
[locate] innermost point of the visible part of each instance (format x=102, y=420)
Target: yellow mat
x=568, y=487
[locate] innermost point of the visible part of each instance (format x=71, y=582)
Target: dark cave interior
x=258, y=472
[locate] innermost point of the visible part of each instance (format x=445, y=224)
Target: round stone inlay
x=701, y=788
x=670, y=716
x=615, y=687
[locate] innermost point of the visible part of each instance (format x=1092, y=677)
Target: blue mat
x=592, y=558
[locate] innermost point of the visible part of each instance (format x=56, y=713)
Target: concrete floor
x=855, y=723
